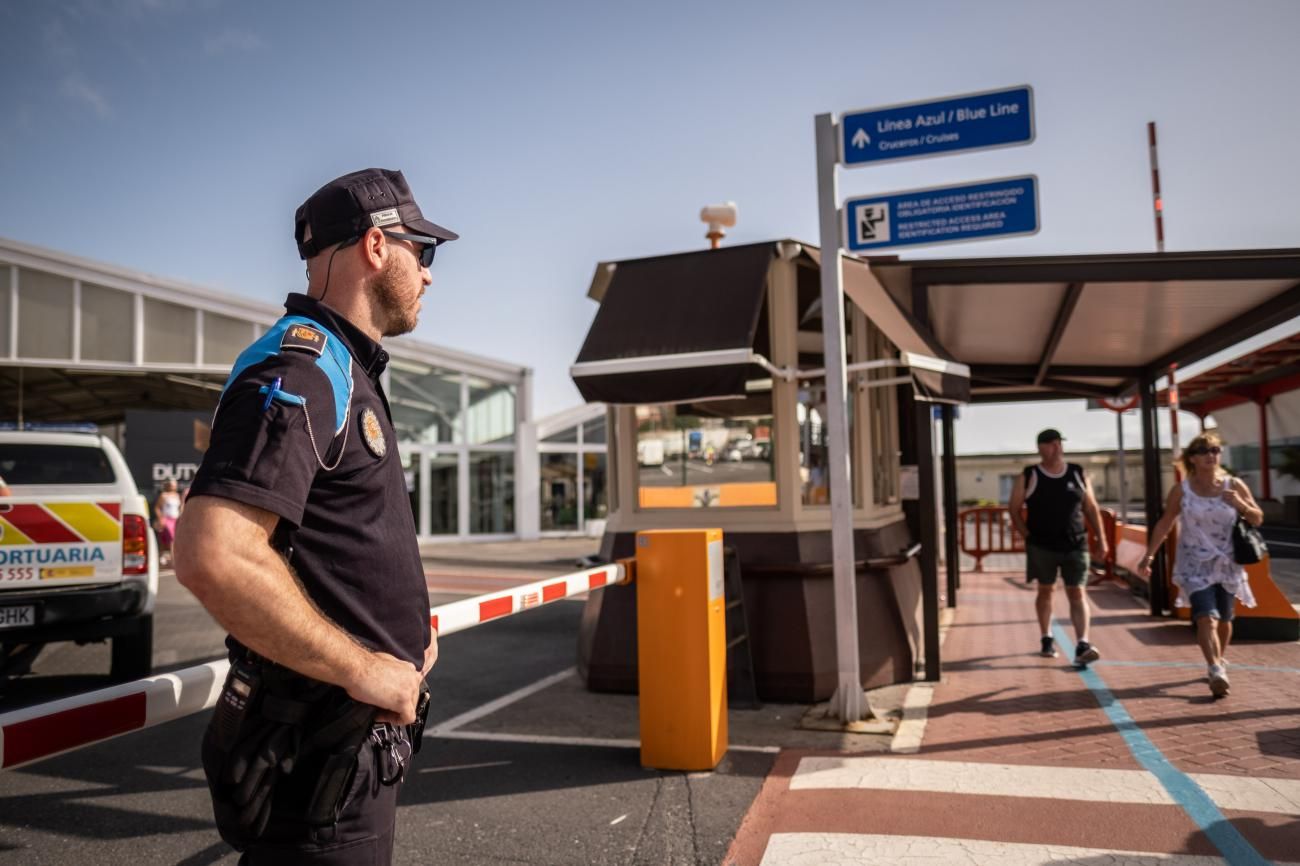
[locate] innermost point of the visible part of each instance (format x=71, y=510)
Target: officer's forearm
x=260, y=603
x=247, y=587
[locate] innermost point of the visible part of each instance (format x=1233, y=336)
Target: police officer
x=298, y=538
x=1058, y=497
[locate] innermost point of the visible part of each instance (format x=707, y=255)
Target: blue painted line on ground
x=1234, y=666
x=1190, y=796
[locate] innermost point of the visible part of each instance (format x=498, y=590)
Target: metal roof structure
x=84, y=341
x=1059, y=327
x=1265, y=372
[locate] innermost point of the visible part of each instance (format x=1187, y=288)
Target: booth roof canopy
x=693, y=326
x=1092, y=325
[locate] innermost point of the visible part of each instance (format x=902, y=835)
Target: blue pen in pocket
x=270, y=394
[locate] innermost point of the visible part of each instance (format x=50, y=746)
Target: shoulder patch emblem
x=303, y=338
x=372, y=433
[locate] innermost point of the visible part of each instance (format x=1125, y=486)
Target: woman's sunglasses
x=1197, y=452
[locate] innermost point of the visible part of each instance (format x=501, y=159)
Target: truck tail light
x=135, y=544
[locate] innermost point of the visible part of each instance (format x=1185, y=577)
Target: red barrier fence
x=988, y=529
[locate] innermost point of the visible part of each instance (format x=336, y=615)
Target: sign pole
x=847, y=704
x=1123, y=484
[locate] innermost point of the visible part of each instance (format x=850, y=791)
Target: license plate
x=17, y=617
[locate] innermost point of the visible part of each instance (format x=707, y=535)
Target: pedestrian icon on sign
x=873, y=224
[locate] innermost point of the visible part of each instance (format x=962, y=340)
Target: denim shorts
x=1214, y=601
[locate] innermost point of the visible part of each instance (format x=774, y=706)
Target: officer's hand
x=392, y=685
x=430, y=653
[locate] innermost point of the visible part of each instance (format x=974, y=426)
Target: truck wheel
x=133, y=652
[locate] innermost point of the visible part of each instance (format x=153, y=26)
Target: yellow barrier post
x=681, y=648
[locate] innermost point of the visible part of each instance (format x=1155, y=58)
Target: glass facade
x=444, y=472
x=492, y=492
x=595, y=486
x=426, y=402
x=559, y=484
x=574, y=485
x=490, y=413
x=441, y=413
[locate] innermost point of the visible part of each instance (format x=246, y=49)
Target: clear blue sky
x=176, y=137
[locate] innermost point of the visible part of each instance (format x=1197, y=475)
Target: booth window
x=595, y=485
x=711, y=454
x=814, y=447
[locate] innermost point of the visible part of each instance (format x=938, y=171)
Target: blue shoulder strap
x=335, y=361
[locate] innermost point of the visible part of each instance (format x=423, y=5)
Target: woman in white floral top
x=1207, y=503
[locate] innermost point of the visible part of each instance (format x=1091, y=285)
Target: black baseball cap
x=1051, y=434
x=347, y=206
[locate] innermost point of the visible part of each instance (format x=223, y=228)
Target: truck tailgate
x=59, y=541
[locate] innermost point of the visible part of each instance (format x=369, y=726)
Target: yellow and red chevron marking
x=60, y=523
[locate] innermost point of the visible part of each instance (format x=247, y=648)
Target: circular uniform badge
x=372, y=433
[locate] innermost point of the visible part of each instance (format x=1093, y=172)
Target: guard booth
x=711, y=363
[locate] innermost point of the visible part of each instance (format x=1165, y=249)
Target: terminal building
x=84, y=342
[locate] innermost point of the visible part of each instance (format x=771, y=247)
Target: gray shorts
x=1042, y=564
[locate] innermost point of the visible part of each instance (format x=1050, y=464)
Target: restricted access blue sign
x=995, y=118
x=942, y=215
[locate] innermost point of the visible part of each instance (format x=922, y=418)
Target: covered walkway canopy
x=1055, y=327
x=1253, y=397
x=1058, y=327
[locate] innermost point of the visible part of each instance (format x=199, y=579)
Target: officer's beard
x=387, y=293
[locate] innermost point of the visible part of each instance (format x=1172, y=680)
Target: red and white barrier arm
x=459, y=615
x=42, y=731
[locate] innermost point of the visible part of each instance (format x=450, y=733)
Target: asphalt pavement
x=533, y=768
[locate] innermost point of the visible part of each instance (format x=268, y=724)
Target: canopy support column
x=952, y=548
x=1151, y=487
x=1265, y=481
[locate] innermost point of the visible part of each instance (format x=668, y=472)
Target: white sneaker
x=1218, y=681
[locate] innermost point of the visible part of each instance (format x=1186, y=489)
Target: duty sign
x=995, y=118
x=940, y=215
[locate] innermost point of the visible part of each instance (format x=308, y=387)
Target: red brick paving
x=1000, y=702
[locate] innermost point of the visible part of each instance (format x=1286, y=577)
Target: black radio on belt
x=238, y=699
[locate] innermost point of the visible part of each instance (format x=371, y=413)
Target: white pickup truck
x=78, y=559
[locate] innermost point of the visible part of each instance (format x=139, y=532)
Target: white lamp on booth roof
x=719, y=217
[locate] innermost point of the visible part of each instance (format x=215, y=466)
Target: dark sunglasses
x=1197, y=452
x=426, y=247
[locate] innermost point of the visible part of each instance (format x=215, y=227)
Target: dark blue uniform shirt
x=303, y=430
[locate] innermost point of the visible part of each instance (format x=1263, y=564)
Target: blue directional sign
x=995, y=118
x=941, y=215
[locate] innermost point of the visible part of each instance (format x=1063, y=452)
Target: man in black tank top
x=1057, y=497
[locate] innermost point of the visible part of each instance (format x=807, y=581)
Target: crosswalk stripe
x=843, y=849
x=1240, y=793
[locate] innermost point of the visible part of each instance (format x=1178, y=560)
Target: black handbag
x=1247, y=544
